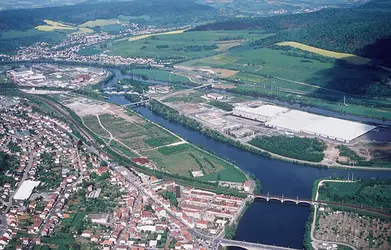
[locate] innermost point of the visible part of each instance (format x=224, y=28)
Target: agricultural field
x=303, y=77
x=91, y=122
x=343, y=56
x=174, y=32
x=159, y=75
x=184, y=158
x=192, y=97
x=182, y=46
x=132, y=136
x=136, y=133
x=53, y=26
x=256, y=64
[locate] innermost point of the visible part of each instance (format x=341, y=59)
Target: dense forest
x=7, y=162
x=308, y=149
x=175, y=12
x=370, y=192
x=364, y=30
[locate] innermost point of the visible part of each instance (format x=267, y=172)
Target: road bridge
x=250, y=245
x=297, y=200
x=283, y=199
x=203, y=86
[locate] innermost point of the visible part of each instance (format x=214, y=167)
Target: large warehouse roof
x=300, y=121
x=294, y=120
x=265, y=110
x=339, y=129
x=25, y=190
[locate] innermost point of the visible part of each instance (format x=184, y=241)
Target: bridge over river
x=250, y=245
x=297, y=200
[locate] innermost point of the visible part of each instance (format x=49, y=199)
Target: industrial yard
x=250, y=119
x=55, y=76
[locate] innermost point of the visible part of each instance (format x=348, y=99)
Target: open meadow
x=177, y=46
x=159, y=75
x=295, y=75
x=344, y=56
x=53, y=26
x=183, y=159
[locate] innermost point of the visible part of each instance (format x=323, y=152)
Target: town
x=58, y=187
x=49, y=75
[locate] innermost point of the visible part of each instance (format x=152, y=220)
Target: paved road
x=312, y=233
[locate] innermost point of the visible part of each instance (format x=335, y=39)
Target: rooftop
x=25, y=190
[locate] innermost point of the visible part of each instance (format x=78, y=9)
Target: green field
x=193, y=97
x=299, y=77
x=92, y=123
x=135, y=132
x=184, y=46
x=13, y=39
x=159, y=75
x=366, y=193
x=184, y=158
x=150, y=140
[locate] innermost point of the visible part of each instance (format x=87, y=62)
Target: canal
x=268, y=223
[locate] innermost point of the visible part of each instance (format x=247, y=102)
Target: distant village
x=68, y=50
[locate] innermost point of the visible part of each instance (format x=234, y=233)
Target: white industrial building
x=338, y=129
x=25, y=190
x=263, y=113
x=327, y=127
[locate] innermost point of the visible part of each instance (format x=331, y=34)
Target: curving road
x=312, y=233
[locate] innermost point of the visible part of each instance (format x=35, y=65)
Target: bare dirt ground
x=223, y=86
x=224, y=73
x=85, y=107
x=226, y=45
x=371, y=151
x=362, y=232
x=331, y=154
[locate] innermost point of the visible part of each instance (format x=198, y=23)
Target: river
x=268, y=223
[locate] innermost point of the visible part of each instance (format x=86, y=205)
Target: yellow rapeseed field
x=135, y=38
x=343, y=56
x=51, y=26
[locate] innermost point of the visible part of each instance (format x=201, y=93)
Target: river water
x=268, y=223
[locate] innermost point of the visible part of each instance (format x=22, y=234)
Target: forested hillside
x=365, y=30
x=178, y=12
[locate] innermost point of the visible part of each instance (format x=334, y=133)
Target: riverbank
x=172, y=114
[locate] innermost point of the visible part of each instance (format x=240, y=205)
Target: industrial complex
x=303, y=122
